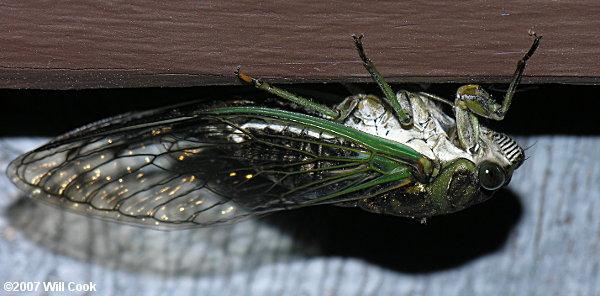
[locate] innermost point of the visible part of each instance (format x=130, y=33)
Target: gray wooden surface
x=550, y=217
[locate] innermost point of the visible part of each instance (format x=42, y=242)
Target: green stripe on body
x=375, y=143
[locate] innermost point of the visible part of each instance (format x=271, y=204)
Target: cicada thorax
x=453, y=186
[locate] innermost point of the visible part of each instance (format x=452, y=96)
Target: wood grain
x=114, y=44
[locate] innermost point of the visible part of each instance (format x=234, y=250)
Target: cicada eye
x=491, y=176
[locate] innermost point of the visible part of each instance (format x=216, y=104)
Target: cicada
x=199, y=164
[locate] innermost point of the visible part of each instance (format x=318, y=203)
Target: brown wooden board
x=108, y=44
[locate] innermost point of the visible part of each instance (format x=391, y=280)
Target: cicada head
x=497, y=160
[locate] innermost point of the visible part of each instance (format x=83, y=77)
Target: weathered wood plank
x=91, y=44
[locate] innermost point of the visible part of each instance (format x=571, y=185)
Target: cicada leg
x=467, y=129
x=472, y=101
x=347, y=106
x=400, y=104
x=335, y=114
x=435, y=98
x=518, y=74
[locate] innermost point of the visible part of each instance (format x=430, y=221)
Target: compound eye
x=491, y=176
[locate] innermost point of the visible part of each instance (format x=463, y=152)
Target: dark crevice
x=536, y=109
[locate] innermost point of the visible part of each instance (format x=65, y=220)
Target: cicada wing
x=183, y=170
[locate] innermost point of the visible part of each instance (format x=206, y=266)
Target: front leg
x=472, y=101
x=478, y=101
x=517, y=76
x=467, y=128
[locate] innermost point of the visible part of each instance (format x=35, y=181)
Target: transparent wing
x=180, y=168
